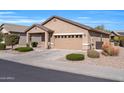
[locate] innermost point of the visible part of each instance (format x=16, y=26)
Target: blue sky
x=112, y=19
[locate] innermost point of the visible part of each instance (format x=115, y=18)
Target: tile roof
x=121, y=33
x=40, y=26
x=13, y=27
x=76, y=24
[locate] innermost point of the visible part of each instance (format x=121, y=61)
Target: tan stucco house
x=61, y=33
x=7, y=28
x=119, y=34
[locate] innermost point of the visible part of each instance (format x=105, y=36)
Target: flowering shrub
x=110, y=49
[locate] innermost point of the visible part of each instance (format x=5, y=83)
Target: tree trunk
x=12, y=47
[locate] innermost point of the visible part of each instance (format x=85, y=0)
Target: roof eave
x=63, y=19
x=38, y=27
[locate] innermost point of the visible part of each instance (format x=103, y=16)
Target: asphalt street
x=16, y=72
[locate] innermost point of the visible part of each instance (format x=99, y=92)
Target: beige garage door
x=68, y=42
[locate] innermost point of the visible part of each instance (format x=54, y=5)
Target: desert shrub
x=113, y=51
x=93, y=54
x=75, y=57
x=110, y=49
x=24, y=49
x=104, y=53
x=2, y=46
x=106, y=46
x=34, y=44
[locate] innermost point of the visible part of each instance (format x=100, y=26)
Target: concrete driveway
x=37, y=55
x=50, y=59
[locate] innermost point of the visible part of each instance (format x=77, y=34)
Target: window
x=72, y=36
x=80, y=36
x=65, y=36
x=69, y=36
x=55, y=36
x=76, y=36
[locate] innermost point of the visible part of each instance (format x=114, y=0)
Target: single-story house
x=119, y=34
x=14, y=29
x=60, y=33
x=113, y=34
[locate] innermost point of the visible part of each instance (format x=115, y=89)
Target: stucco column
x=27, y=38
x=46, y=39
x=82, y=41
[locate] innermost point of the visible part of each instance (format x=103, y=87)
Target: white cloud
x=2, y=13
x=83, y=17
x=21, y=21
x=11, y=17
x=8, y=17
x=98, y=22
x=105, y=22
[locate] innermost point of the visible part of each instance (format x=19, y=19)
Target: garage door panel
x=68, y=43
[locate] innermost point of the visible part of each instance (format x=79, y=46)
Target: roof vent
x=54, y=20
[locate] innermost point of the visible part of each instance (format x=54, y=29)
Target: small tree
x=11, y=40
x=1, y=37
x=100, y=27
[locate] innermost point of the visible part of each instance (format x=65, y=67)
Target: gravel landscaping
x=103, y=67
x=109, y=61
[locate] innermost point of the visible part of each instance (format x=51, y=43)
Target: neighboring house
x=61, y=33
x=15, y=29
x=117, y=33
x=113, y=34
x=117, y=38
x=121, y=33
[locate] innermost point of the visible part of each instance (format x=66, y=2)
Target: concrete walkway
x=49, y=59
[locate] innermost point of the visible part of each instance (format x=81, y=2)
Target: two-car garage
x=68, y=41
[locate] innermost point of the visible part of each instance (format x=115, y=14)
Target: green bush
x=11, y=39
x=24, y=49
x=2, y=46
x=93, y=54
x=75, y=57
x=1, y=37
x=34, y=44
